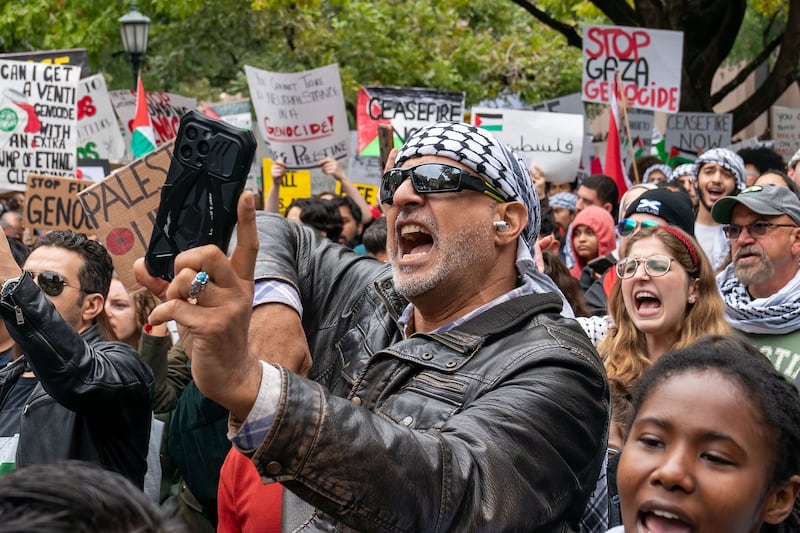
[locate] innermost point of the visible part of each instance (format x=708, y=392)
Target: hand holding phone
x=207, y=174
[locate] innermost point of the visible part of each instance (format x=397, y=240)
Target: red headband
x=678, y=234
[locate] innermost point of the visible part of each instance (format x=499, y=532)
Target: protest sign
x=301, y=115
x=123, y=209
x=406, y=109
x=552, y=141
x=690, y=134
x=638, y=144
x=295, y=184
x=38, y=121
x=74, y=57
x=786, y=130
x=51, y=203
x=98, y=130
x=569, y=103
x=165, y=111
x=649, y=63
x=234, y=113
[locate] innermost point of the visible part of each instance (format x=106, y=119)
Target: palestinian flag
x=680, y=157
x=143, y=140
x=489, y=121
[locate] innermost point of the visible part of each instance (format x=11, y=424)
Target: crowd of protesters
x=484, y=350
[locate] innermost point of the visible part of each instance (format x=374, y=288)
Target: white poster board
x=38, y=121
x=552, y=141
x=165, y=111
x=649, y=62
x=99, y=136
x=300, y=115
x=694, y=133
x=786, y=130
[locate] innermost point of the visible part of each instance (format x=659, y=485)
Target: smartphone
x=208, y=171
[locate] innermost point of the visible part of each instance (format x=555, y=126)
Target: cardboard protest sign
x=640, y=123
x=786, y=130
x=649, y=62
x=51, y=203
x=301, y=115
x=74, y=57
x=165, y=111
x=569, y=103
x=295, y=184
x=690, y=134
x=407, y=109
x=38, y=121
x=553, y=141
x=123, y=209
x=99, y=136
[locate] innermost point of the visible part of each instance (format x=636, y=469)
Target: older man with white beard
x=761, y=286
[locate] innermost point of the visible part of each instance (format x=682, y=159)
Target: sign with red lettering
x=300, y=115
x=786, y=130
x=165, y=110
x=406, y=109
x=123, y=209
x=38, y=121
x=99, y=136
x=648, y=61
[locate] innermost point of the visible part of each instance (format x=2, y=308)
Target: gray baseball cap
x=768, y=200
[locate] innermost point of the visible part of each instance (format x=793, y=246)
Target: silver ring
x=198, y=284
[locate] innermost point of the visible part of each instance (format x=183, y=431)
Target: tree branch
x=619, y=12
x=783, y=74
x=573, y=38
x=742, y=75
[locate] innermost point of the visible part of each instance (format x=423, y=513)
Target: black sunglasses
x=52, y=283
x=430, y=178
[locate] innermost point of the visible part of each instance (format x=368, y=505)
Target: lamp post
x=134, y=28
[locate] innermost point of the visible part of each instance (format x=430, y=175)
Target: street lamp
x=134, y=28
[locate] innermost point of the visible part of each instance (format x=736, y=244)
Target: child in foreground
x=713, y=444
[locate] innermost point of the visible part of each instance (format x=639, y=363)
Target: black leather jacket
x=497, y=425
x=93, y=399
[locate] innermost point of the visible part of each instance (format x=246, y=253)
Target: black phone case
x=207, y=174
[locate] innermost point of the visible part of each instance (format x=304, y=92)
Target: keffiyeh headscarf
x=664, y=169
x=687, y=169
x=776, y=314
x=726, y=159
x=478, y=150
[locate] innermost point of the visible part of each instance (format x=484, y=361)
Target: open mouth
x=658, y=521
x=414, y=242
x=647, y=303
x=715, y=193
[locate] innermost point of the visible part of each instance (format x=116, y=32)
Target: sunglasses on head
x=52, y=283
x=430, y=178
x=655, y=266
x=627, y=226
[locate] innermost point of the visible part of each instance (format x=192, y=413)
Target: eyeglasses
x=430, y=178
x=756, y=229
x=627, y=226
x=52, y=283
x=655, y=266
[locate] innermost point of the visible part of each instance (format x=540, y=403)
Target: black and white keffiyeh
x=478, y=150
x=774, y=315
x=726, y=159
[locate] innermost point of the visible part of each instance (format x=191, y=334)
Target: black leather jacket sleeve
x=96, y=377
x=506, y=435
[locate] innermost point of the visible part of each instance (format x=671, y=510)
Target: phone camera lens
x=191, y=133
x=202, y=147
x=186, y=152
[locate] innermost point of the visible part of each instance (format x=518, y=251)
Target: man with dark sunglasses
x=90, y=398
x=761, y=286
x=445, y=391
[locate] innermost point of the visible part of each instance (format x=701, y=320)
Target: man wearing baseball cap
x=761, y=286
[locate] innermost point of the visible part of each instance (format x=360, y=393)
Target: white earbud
x=500, y=225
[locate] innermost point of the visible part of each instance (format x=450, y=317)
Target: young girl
x=713, y=444
x=591, y=235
